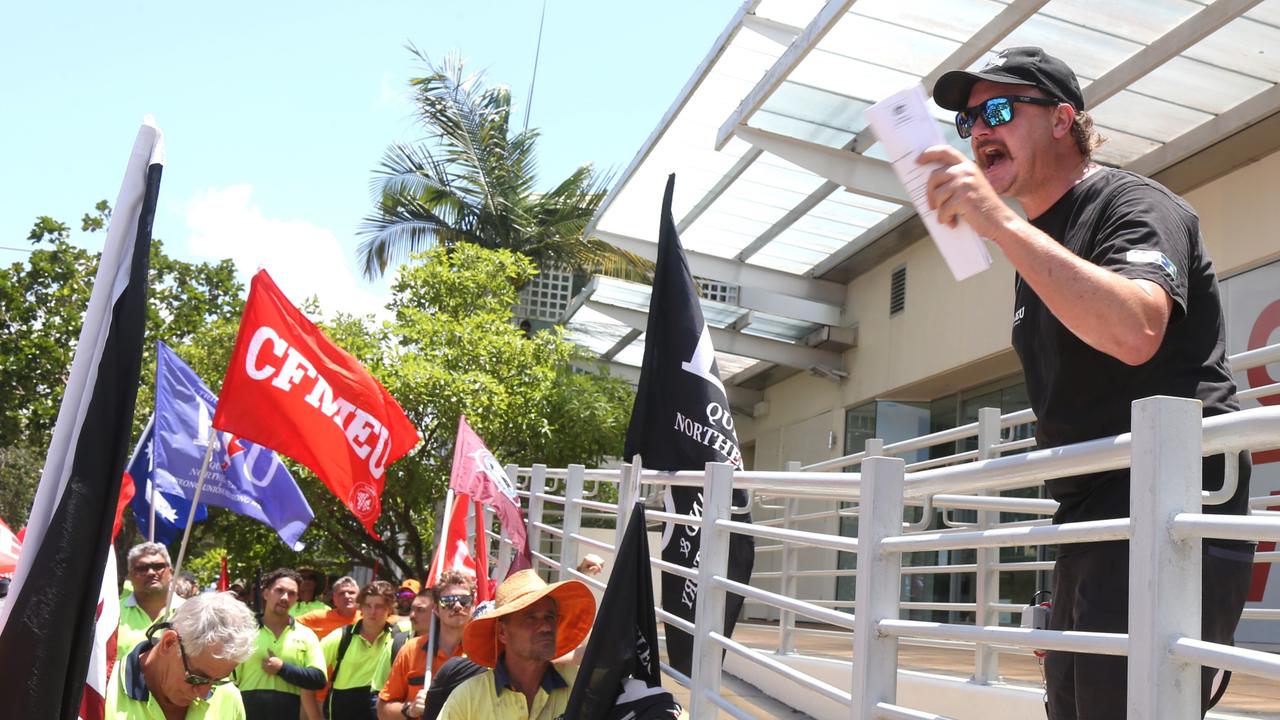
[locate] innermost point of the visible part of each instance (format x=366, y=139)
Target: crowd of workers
x=375, y=652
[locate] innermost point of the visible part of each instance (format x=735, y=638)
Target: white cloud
x=304, y=259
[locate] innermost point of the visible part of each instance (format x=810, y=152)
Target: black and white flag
x=681, y=421
x=620, y=676
x=47, y=624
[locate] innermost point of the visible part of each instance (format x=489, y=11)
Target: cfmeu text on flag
x=358, y=425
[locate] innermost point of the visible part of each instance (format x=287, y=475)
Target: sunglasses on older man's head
x=447, y=601
x=995, y=111
x=191, y=678
x=196, y=679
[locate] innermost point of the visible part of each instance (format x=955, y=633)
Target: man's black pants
x=1091, y=593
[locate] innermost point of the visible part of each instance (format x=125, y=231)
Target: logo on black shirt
x=1017, y=315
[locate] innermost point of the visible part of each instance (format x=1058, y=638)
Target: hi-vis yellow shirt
x=128, y=697
x=297, y=645
x=361, y=661
x=489, y=696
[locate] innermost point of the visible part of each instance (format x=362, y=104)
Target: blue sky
x=275, y=113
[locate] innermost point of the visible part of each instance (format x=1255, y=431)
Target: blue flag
x=242, y=477
x=172, y=510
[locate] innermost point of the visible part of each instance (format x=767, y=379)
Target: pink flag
x=476, y=472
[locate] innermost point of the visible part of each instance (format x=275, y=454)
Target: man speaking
x=1115, y=300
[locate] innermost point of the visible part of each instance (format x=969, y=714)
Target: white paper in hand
x=905, y=128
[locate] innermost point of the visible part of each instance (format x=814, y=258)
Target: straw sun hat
x=577, y=608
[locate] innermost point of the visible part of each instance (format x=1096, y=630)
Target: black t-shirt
x=1138, y=229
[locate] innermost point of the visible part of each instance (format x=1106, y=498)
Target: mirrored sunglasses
x=447, y=601
x=995, y=112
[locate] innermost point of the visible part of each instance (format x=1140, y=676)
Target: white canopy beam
x=806, y=41
x=741, y=274
x=774, y=351
x=1257, y=108
x=789, y=306
x=1164, y=48
x=859, y=173
x=622, y=344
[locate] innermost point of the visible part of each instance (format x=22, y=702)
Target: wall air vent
x=898, y=290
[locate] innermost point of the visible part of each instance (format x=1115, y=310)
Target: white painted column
x=572, y=520
x=986, y=662
x=789, y=584
x=537, y=486
x=708, y=616
x=1164, y=571
x=879, y=583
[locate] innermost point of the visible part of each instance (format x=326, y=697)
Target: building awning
x=781, y=188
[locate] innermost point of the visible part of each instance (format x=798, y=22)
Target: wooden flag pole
x=195, y=502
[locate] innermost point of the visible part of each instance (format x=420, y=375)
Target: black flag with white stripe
x=48, y=621
x=681, y=421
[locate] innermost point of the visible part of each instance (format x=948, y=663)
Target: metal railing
x=1165, y=532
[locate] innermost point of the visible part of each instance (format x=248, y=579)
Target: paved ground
x=1247, y=697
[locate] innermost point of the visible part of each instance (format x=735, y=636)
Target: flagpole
x=435, y=572
x=195, y=502
x=151, y=485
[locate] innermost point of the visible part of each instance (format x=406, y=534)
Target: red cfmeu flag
x=289, y=388
x=476, y=472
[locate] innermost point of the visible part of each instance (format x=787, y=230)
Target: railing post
x=572, y=520
x=537, y=486
x=878, y=588
x=786, y=618
x=708, y=616
x=986, y=662
x=628, y=489
x=1164, y=570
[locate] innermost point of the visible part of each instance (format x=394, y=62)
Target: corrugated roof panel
x=887, y=44
x=1139, y=21
x=953, y=19
x=1146, y=117
x=1121, y=148
x=1243, y=45
x=1199, y=85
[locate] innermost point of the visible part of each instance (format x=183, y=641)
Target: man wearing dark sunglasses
x=181, y=669
x=449, y=603
x=1115, y=300
x=150, y=573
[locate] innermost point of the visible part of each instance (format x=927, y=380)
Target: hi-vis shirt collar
x=135, y=685
x=551, y=679
x=292, y=624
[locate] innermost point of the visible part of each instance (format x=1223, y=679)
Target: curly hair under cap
x=1087, y=138
x=216, y=621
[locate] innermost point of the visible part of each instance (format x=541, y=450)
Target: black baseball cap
x=1014, y=66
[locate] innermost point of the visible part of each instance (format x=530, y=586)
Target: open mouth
x=991, y=156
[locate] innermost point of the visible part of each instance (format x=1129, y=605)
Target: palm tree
x=472, y=180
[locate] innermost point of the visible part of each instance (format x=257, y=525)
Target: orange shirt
x=323, y=622
x=409, y=670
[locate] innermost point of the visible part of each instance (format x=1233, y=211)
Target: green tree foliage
x=452, y=349
x=449, y=348
x=473, y=181
x=42, y=304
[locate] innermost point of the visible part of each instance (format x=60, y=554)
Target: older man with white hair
x=181, y=670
